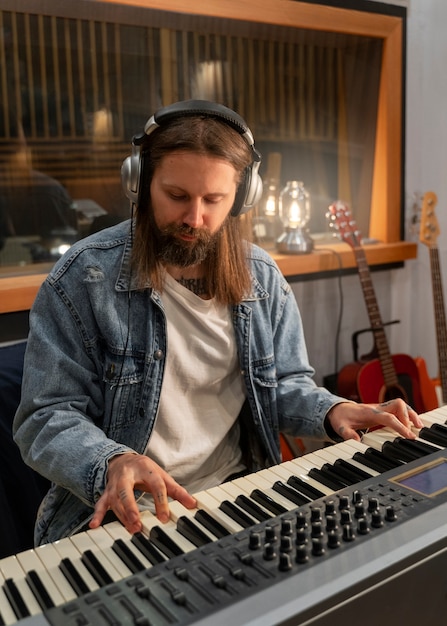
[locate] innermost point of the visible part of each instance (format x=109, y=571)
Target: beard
x=171, y=250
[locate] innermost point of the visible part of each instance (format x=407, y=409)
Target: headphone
x=250, y=189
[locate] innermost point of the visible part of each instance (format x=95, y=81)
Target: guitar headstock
x=340, y=217
x=429, y=230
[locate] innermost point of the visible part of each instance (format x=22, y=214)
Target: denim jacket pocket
x=123, y=379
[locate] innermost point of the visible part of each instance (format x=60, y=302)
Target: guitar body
x=388, y=376
x=364, y=382
x=429, y=387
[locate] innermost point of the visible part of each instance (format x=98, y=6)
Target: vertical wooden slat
x=69, y=79
x=56, y=75
x=3, y=79
x=81, y=76
x=43, y=74
x=94, y=66
x=119, y=82
x=30, y=76
x=17, y=97
x=105, y=65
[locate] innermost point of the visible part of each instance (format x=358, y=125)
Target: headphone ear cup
x=130, y=175
x=249, y=192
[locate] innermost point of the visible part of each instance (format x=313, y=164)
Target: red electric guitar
x=387, y=376
x=428, y=235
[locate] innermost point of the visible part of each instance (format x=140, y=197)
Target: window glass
x=77, y=86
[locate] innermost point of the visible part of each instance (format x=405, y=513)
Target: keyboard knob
x=285, y=564
x=254, y=542
x=302, y=554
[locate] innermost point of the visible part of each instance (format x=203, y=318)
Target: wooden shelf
x=336, y=256
x=17, y=292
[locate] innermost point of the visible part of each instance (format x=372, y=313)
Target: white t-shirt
x=196, y=433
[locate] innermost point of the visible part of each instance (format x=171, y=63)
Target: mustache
x=202, y=235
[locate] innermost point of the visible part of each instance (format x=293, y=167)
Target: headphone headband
x=250, y=189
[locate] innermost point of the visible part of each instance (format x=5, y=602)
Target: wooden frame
x=387, y=191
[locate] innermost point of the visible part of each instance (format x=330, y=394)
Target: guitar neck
x=440, y=319
x=380, y=340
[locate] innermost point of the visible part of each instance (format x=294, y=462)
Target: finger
x=126, y=509
x=101, y=508
x=401, y=425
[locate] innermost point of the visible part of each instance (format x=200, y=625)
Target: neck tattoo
x=196, y=285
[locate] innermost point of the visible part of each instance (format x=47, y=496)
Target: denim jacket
x=94, y=369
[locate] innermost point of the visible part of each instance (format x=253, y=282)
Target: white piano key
x=377, y=438
x=50, y=559
x=302, y=469
x=104, y=543
x=117, y=531
x=210, y=504
x=67, y=550
x=11, y=568
x=263, y=481
x=169, y=528
x=346, y=453
x=178, y=510
x=6, y=610
x=30, y=561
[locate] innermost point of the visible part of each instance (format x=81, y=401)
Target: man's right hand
x=128, y=472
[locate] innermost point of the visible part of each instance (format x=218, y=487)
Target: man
x=165, y=354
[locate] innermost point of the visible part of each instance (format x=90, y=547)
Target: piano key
x=104, y=542
x=237, y=514
x=6, y=611
x=148, y=549
x=433, y=436
x=30, y=562
x=240, y=490
x=210, y=501
x=106, y=567
x=178, y=511
x=73, y=567
x=50, y=559
x=440, y=431
x=189, y=528
x=300, y=480
x=390, y=444
x=346, y=453
x=118, y=533
x=263, y=481
x=16, y=588
x=211, y=524
x=256, y=511
x=170, y=529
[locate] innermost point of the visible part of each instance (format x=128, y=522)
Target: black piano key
x=352, y=470
x=337, y=472
x=212, y=525
x=326, y=479
x=252, y=508
x=127, y=556
x=147, y=549
x=267, y=502
x=16, y=601
x=163, y=542
x=38, y=588
x=194, y=534
x=70, y=572
x=303, y=487
x=431, y=435
x=290, y=493
x=441, y=431
x=419, y=448
x=236, y=514
x=390, y=448
x=2, y=621
x=371, y=462
x=389, y=462
x=96, y=569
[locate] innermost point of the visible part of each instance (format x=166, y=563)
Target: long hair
x=227, y=274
